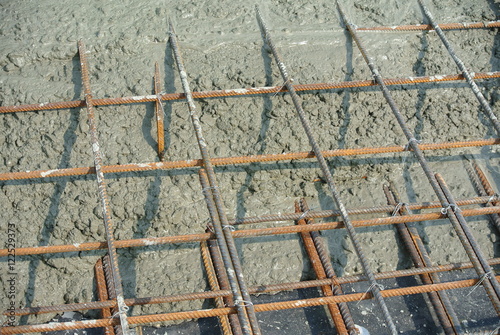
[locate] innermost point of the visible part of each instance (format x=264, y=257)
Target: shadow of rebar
x=59, y=188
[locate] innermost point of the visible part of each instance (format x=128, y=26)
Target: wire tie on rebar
x=228, y=226
x=481, y=279
x=453, y=207
x=398, y=207
x=372, y=286
x=158, y=98
x=210, y=228
x=123, y=310
x=413, y=139
x=493, y=197
x=303, y=215
x=289, y=80
x=245, y=303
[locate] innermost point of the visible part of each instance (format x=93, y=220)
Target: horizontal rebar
x=443, y=26
x=138, y=167
x=242, y=92
x=275, y=306
x=142, y=242
x=465, y=72
x=253, y=290
x=455, y=217
x=230, y=257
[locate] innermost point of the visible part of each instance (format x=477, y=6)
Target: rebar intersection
x=223, y=267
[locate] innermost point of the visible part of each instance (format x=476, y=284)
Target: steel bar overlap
x=214, y=286
x=339, y=319
x=142, y=319
x=413, y=243
x=102, y=293
x=221, y=161
x=243, y=92
x=246, y=313
x=472, y=248
x=141, y=242
x=457, y=220
x=484, y=187
x=460, y=64
x=253, y=289
x=324, y=259
x=235, y=309
x=103, y=194
x=374, y=286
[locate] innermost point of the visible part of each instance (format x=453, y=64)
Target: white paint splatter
x=150, y=242
x=46, y=173
x=238, y=91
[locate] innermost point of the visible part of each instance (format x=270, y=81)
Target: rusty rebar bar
x=275, y=306
x=484, y=188
x=225, y=240
x=151, y=166
x=214, y=286
x=160, y=131
x=253, y=290
x=141, y=242
x=325, y=260
x=443, y=26
x=374, y=286
x=103, y=193
x=242, y=92
x=411, y=240
x=455, y=217
x=102, y=294
x=483, y=269
x=334, y=309
x=220, y=272
x=460, y=64
x=216, y=257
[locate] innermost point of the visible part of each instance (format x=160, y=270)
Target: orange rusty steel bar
x=102, y=294
x=338, y=319
x=275, y=306
x=484, y=186
x=160, y=132
x=443, y=26
x=242, y=92
x=420, y=258
x=254, y=289
x=103, y=193
x=137, y=167
x=214, y=286
x=141, y=242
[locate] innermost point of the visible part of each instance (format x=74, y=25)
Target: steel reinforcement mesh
x=241, y=308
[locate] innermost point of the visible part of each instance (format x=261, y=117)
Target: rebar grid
x=220, y=258
x=454, y=214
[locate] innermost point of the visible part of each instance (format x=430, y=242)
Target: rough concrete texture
x=222, y=48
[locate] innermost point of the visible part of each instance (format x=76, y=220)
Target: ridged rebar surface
x=248, y=320
x=454, y=215
x=374, y=286
x=103, y=194
x=224, y=272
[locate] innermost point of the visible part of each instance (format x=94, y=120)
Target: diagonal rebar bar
x=374, y=286
x=460, y=64
x=454, y=213
x=103, y=194
x=413, y=243
x=224, y=237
